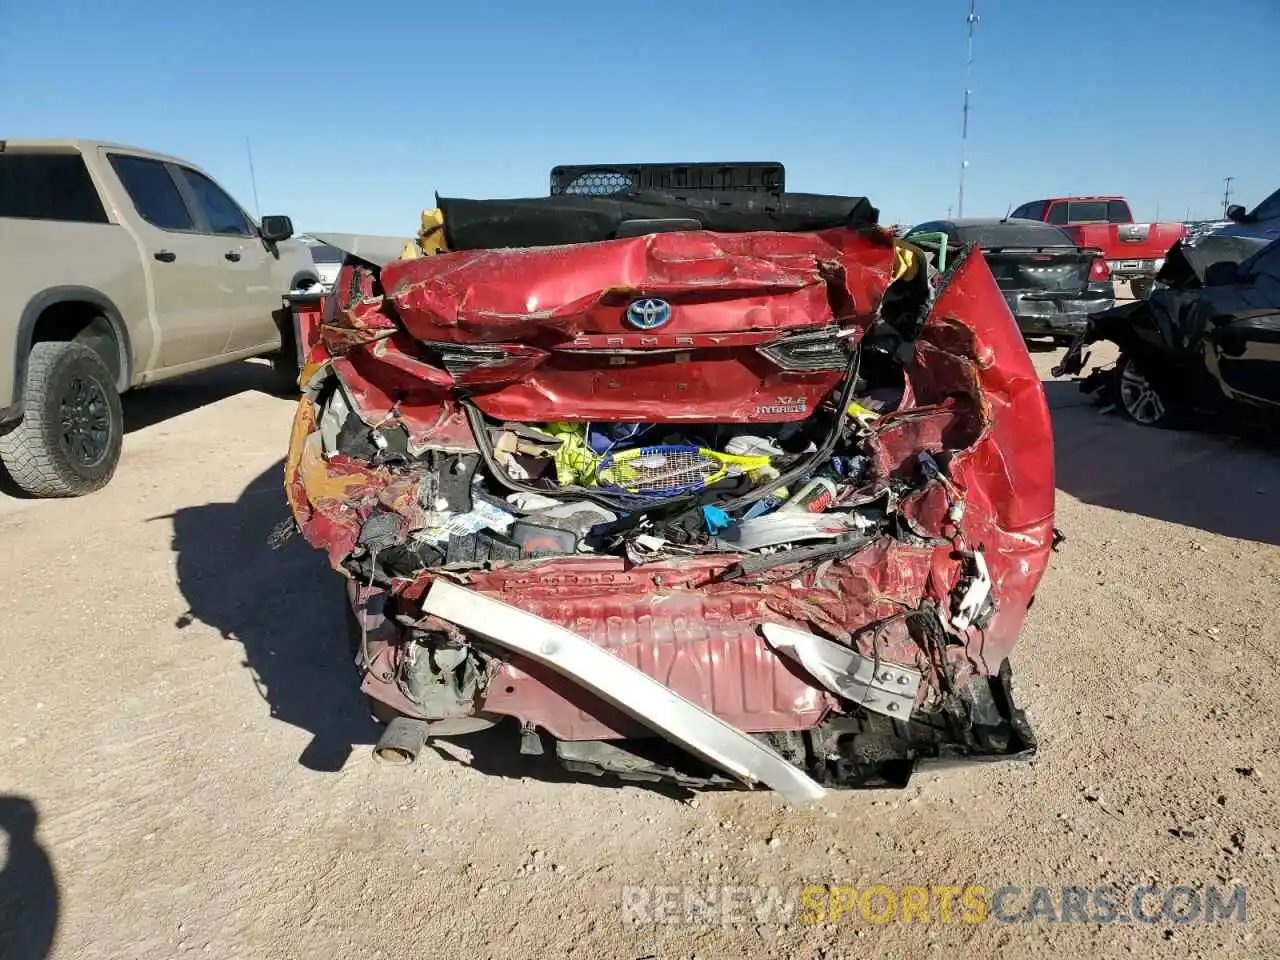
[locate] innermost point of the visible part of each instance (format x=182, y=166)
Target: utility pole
x=971, y=20
x=1226, y=195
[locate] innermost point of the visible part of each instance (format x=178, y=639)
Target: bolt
x=893, y=708
x=886, y=678
x=902, y=679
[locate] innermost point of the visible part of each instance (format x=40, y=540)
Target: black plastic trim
x=52, y=297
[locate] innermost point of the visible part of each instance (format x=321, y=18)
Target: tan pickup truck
x=118, y=268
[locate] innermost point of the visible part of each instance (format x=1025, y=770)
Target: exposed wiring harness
x=676, y=506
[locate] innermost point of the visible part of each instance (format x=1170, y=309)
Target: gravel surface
x=177, y=710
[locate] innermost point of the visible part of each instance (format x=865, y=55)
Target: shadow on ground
x=1212, y=482
x=285, y=607
x=496, y=753
x=28, y=886
x=152, y=405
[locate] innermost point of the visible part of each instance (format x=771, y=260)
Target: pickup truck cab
x=120, y=267
x=1134, y=252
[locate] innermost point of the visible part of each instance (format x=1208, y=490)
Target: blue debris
x=716, y=519
x=763, y=506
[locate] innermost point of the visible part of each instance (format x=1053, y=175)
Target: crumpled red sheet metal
x=972, y=394
x=743, y=290
x=735, y=282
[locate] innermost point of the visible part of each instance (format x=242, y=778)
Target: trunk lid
x=1045, y=271
x=665, y=327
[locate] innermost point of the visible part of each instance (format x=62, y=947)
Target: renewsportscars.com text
x=969, y=904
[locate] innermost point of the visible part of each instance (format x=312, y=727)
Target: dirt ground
x=180, y=729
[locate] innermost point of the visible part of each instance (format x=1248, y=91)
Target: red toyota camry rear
x=760, y=504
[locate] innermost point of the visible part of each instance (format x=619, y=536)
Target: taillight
x=1099, y=270
x=814, y=350
x=475, y=364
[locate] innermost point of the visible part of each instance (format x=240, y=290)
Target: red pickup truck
x=1135, y=252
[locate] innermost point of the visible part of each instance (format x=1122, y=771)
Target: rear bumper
x=742, y=684
x=1131, y=269
x=844, y=752
x=1046, y=317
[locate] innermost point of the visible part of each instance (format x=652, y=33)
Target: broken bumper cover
x=1041, y=316
x=628, y=688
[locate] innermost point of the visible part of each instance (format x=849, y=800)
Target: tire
x=284, y=364
x=285, y=372
x=1140, y=401
x=68, y=443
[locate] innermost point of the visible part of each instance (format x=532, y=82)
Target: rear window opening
x=1090, y=211
x=48, y=186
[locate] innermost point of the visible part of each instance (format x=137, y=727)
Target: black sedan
x=1206, y=346
x=1051, y=284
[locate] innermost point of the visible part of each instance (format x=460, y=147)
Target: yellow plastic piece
x=431, y=237
x=575, y=461
x=906, y=260
x=861, y=413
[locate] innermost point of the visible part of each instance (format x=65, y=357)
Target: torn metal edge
x=626, y=687
x=885, y=688
x=371, y=248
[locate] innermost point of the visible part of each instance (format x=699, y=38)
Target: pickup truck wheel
x=68, y=443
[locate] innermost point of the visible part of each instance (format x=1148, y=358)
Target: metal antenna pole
x=257, y=210
x=1226, y=195
x=971, y=20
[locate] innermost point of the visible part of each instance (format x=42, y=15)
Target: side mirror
x=275, y=229
x=1236, y=213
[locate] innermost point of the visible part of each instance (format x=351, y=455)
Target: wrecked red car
x=703, y=485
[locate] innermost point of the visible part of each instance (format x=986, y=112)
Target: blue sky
x=357, y=113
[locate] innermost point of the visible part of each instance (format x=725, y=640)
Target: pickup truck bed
x=1134, y=252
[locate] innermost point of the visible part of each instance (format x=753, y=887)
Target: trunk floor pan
x=706, y=648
